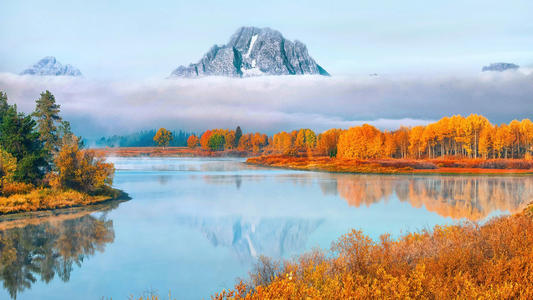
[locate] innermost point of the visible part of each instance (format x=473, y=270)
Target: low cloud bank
x=271, y=104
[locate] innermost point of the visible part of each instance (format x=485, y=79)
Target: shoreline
x=22, y=219
x=169, y=152
x=333, y=165
x=18, y=205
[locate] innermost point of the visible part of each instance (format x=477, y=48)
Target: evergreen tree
x=47, y=116
x=17, y=137
x=66, y=135
x=3, y=104
x=238, y=135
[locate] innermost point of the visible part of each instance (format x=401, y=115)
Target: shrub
x=82, y=170
x=466, y=261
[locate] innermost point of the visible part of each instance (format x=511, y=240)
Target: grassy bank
x=47, y=199
x=466, y=261
x=395, y=166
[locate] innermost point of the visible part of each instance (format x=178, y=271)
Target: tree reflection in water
x=470, y=197
x=49, y=248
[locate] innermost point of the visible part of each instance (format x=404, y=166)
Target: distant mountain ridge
x=49, y=66
x=500, y=67
x=253, y=51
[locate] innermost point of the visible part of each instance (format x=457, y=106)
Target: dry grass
x=396, y=166
x=46, y=198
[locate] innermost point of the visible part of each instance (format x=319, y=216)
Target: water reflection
x=273, y=237
x=470, y=197
x=43, y=246
x=458, y=197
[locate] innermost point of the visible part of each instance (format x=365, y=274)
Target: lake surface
x=194, y=225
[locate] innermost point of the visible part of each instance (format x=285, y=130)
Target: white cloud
x=271, y=104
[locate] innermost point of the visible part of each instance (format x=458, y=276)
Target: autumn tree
x=163, y=137
x=8, y=166
x=415, y=141
x=204, y=139
x=360, y=142
x=282, y=142
x=401, y=141
x=245, y=142
x=327, y=142
x=193, y=141
x=82, y=170
x=229, y=139
x=258, y=141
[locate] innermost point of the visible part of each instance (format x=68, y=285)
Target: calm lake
x=194, y=225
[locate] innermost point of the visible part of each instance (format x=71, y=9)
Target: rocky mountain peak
x=253, y=51
x=50, y=66
x=500, y=67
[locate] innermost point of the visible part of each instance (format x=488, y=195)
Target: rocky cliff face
x=500, y=67
x=49, y=66
x=253, y=51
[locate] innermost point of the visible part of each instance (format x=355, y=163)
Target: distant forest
x=144, y=138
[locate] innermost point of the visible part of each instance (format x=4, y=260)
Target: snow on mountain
x=253, y=51
x=49, y=66
x=500, y=67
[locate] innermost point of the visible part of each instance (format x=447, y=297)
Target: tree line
x=143, y=138
x=468, y=137
x=225, y=139
x=457, y=136
x=40, y=150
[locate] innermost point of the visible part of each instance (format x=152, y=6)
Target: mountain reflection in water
x=273, y=237
x=41, y=248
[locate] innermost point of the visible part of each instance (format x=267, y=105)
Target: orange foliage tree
x=193, y=141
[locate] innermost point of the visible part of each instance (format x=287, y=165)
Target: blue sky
x=148, y=39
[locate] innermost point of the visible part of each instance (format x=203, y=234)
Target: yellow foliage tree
x=163, y=137
x=82, y=170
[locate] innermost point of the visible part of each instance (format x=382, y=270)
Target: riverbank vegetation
x=452, y=145
x=465, y=261
x=232, y=140
x=396, y=166
x=42, y=163
x=459, y=137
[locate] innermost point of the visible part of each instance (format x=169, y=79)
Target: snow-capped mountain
x=253, y=51
x=500, y=67
x=49, y=66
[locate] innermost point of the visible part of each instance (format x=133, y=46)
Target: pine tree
x=18, y=137
x=47, y=116
x=238, y=135
x=3, y=104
